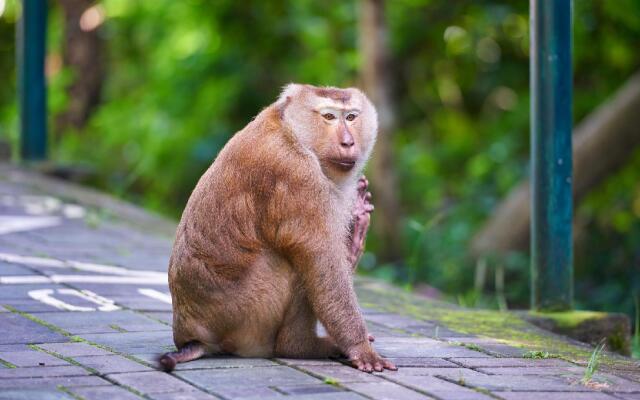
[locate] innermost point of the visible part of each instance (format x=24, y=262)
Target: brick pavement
x=84, y=309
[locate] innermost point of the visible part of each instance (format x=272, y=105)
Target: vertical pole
x=551, y=126
x=31, y=45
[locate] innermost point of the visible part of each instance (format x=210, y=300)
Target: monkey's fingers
x=369, y=207
x=389, y=365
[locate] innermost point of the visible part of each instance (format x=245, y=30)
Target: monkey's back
x=233, y=231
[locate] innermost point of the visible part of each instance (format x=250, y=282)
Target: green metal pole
x=31, y=47
x=551, y=180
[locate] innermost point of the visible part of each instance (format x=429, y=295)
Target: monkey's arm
x=329, y=287
x=361, y=217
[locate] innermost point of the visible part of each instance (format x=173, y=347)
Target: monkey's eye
x=328, y=116
x=351, y=117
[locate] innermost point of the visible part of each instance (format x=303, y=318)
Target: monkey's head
x=339, y=126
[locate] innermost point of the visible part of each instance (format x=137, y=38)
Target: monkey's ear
x=282, y=105
x=288, y=91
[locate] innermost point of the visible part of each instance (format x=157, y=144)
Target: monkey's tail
x=190, y=351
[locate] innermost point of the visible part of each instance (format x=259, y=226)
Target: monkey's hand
x=361, y=219
x=363, y=357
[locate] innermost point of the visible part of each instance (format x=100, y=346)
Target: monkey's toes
x=389, y=365
x=167, y=362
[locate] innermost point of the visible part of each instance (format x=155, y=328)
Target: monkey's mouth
x=344, y=164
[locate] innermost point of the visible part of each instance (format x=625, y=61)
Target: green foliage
x=183, y=76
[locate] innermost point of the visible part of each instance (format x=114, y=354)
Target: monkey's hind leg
x=188, y=352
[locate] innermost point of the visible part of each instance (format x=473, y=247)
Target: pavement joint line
x=462, y=383
x=334, y=382
x=39, y=321
x=76, y=338
x=7, y=364
x=68, y=391
x=93, y=371
x=413, y=388
x=118, y=328
x=65, y=358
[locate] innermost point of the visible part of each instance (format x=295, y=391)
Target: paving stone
x=385, y=391
x=42, y=372
x=625, y=396
x=31, y=358
x=104, y=393
x=52, y=382
x=224, y=362
x=439, y=388
x=31, y=394
x=554, y=396
x=28, y=305
x=14, y=347
x=141, y=303
x=450, y=373
x=489, y=362
x=111, y=364
x=492, y=346
x=239, y=391
x=18, y=329
x=194, y=395
x=559, y=371
x=235, y=382
x=340, y=373
x=134, y=342
x=305, y=362
x=7, y=269
x=422, y=362
x=319, y=396
x=74, y=349
x=393, y=320
x=616, y=383
x=525, y=383
x=166, y=317
x=102, y=322
x=151, y=382
x=423, y=348
x=320, y=388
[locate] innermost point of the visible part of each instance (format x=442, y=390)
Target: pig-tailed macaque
x=272, y=233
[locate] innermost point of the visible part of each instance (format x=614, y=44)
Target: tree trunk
x=602, y=144
x=377, y=84
x=83, y=54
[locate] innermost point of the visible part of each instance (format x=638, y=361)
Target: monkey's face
x=338, y=125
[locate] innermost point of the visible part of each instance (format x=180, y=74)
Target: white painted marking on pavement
x=154, y=294
x=114, y=275
x=109, y=280
x=45, y=296
x=11, y=224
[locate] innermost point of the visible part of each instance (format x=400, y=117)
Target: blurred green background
x=144, y=93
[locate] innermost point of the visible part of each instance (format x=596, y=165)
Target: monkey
x=272, y=233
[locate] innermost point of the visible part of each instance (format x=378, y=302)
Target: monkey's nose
x=347, y=140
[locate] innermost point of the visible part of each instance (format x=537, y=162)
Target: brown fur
x=260, y=251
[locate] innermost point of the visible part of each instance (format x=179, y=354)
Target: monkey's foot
x=364, y=358
x=361, y=220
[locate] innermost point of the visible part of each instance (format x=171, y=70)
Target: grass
x=540, y=355
x=331, y=381
x=7, y=364
x=594, y=363
x=635, y=342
